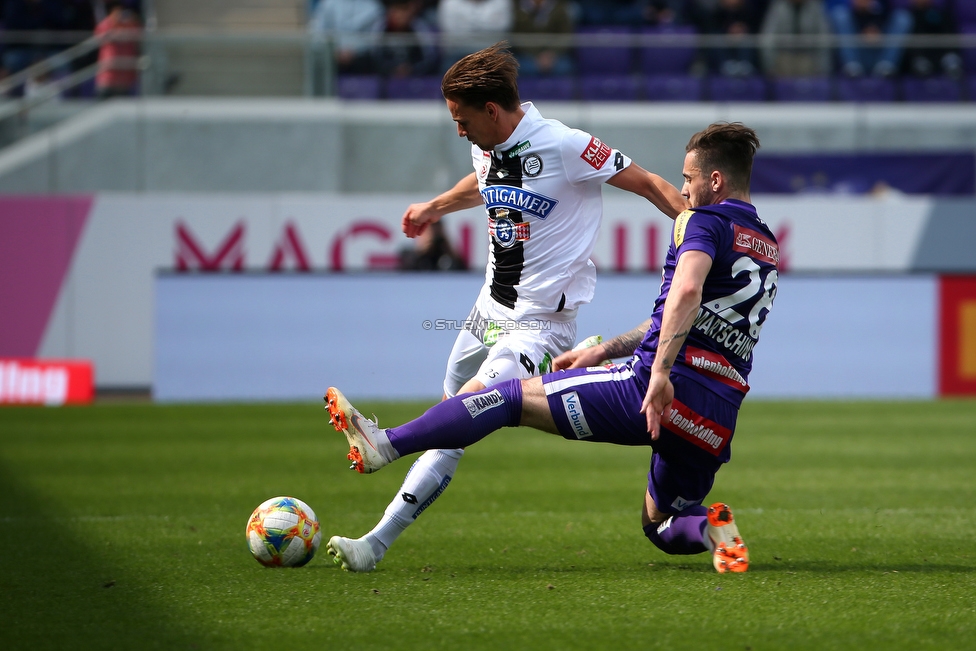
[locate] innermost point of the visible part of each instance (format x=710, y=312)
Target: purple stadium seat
x=970, y=85
x=668, y=60
x=865, y=89
x=969, y=53
x=358, y=87
x=965, y=12
x=414, y=88
x=931, y=89
x=609, y=88
x=802, y=89
x=547, y=88
x=736, y=89
x=605, y=59
x=672, y=88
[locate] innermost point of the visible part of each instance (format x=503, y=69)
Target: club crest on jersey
x=511, y=198
x=532, y=165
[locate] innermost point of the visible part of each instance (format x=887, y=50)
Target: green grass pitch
x=123, y=528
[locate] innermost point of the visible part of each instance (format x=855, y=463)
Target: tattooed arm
x=680, y=309
x=621, y=346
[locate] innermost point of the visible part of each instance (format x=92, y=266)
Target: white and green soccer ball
x=283, y=532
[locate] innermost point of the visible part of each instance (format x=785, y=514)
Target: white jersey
x=542, y=190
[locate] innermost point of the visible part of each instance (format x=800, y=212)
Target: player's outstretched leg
x=426, y=480
x=729, y=553
x=369, y=446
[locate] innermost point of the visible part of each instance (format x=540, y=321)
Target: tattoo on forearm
x=674, y=337
x=625, y=344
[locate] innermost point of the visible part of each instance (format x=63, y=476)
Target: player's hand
x=592, y=356
x=657, y=402
x=417, y=217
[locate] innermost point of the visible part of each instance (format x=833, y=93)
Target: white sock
x=427, y=478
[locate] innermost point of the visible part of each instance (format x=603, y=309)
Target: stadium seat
x=736, y=89
x=865, y=89
x=547, y=88
x=803, y=89
x=672, y=88
x=358, y=87
x=605, y=59
x=969, y=53
x=931, y=89
x=970, y=85
x=609, y=88
x=670, y=60
x=414, y=88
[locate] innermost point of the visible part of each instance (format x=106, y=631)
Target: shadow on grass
x=57, y=592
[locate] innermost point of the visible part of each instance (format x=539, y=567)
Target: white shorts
x=492, y=349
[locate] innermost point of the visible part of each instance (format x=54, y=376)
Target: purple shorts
x=603, y=405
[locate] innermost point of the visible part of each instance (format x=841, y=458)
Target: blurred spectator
x=348, y=21
x=879, y=24
x=28, y=16
x=120, y=33
x=432, y=252
x=611, y=12
x=931, y=18
x=662, y=13
x=472, y=25
x=795, y=17
x=733, y=19
x=543, y=17
x=415, y=50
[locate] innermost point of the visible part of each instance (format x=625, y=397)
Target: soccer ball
x=283, y=532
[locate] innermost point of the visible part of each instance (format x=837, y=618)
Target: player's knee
x=652, y=533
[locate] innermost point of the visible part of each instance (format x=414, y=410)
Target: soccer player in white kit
x=541, y=184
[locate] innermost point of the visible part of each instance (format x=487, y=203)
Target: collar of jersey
x=531, y=115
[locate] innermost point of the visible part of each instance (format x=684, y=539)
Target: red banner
x=957, y=336
x=46, y=382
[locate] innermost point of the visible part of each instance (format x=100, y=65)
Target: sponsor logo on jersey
x=696, y=429
x=715, y=366
x=517, y=149
x=574, y=412
x=755, y=245
x=724, y=333
x=680, y=226
x=482, y=402
x=596, y=153
x=532, y=165
x=511, y=198
x=681, y=504
x=430, y=500
x=505, y=231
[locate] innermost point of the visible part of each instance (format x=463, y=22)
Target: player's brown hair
x=728, y=147
x=488, y=75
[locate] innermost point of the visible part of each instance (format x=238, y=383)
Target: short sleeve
x=695, y=231
x=587, y=158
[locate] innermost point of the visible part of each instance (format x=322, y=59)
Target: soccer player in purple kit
x=679, y=393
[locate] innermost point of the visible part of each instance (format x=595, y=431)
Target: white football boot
x=369, y=447
x=351, y=554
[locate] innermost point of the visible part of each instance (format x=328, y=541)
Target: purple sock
x=680, y=534
x=461, y=421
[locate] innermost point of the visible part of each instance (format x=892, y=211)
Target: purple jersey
x=737, y=295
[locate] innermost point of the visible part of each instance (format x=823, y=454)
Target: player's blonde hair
x=488, y=75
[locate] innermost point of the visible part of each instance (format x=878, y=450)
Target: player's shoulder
x=696, y=220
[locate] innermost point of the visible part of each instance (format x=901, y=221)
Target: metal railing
x=311, y=57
